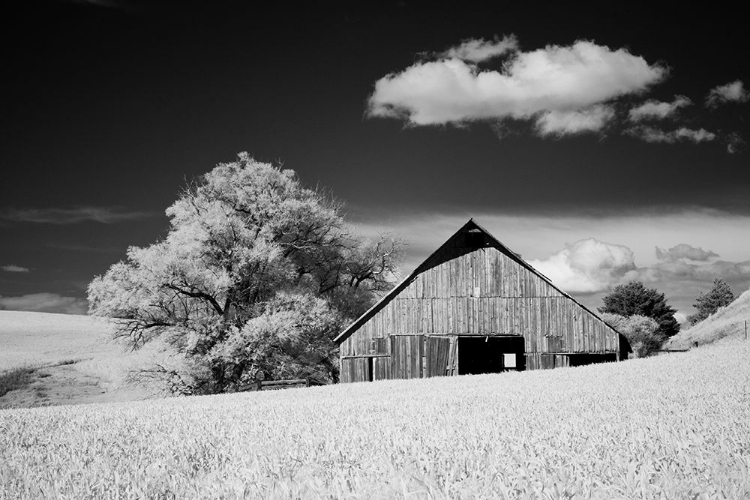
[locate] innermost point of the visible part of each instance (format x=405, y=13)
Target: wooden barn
x=474, y=306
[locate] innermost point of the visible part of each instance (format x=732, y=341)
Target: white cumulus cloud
x=652, y=109
x=560, y=123
x=731, y=92
x=556, y=78
x=587, y=266
x=481, y=50
x=700, y=135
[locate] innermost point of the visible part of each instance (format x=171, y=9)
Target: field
x=71, y=360
x=673, y=426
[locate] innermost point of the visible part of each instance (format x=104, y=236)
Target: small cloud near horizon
x=560, y=123
x=684, y=251
x=587, y=266
x=654, y=135
x=64, y=216
x=481, y=50
x=12, y=268
x=591, y=267
x=731, y=92
x=735, y=143
x=656, y=110
x=45, y=302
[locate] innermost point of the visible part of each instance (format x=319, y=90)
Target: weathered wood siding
x=483, y=291
x=407, y=352
x=437, y=352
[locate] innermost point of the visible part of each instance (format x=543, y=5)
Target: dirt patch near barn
x=67, y=385
x=60, y=359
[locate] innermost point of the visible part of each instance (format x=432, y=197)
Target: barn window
x=378, y=346
x=474, y=238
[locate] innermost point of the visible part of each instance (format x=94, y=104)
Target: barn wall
x=483, y=292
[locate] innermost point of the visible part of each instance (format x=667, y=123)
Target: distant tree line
x=647, y=321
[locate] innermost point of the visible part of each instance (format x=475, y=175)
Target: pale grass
x=727, y=322
x=43, y=340
x=674, y=426
x=33, y=338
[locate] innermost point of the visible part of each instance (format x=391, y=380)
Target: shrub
x=15, y=379
x=641, y=331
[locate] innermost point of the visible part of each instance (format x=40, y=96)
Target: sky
x=602, y=145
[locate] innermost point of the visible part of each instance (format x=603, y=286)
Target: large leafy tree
x=635, y=299
x=257, y=274
x=720, y=295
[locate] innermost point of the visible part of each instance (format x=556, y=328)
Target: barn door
x=406, y=356
x=436, y=355
x=356, y=370
x=381, y=368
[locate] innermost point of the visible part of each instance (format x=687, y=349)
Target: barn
x=474, y=307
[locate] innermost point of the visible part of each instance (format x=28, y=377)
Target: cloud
x=587, y=266
x=735, y=143
x=561, y=79
x=655, y=135
x=731, y=92
x=592, y=268
x=696, y=136
x=653, y=109
x=103, y=215
x=45, y=302
x=681, y=318
x=481, y=50
x=559, y=90
x=684, y=251
x=12, y=268
x=560, y=123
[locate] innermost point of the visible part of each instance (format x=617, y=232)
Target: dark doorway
x=590, y=359
x=490, y=355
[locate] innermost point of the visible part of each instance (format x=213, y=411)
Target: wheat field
x=675, y=426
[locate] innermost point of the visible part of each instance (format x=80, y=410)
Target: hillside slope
x=71, y=360
x=728, y=322
x=36, y=338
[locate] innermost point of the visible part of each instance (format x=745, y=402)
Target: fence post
x=258, y=385
x=745, y=329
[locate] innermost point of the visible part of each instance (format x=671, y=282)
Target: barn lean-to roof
x=430, y=262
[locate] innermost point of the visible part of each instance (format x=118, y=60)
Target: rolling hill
x=70, y=359
x=728, y=322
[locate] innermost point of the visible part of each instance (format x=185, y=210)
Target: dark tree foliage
x=635, y=299
x=707, y=304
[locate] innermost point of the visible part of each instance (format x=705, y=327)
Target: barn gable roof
x=434, y=259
